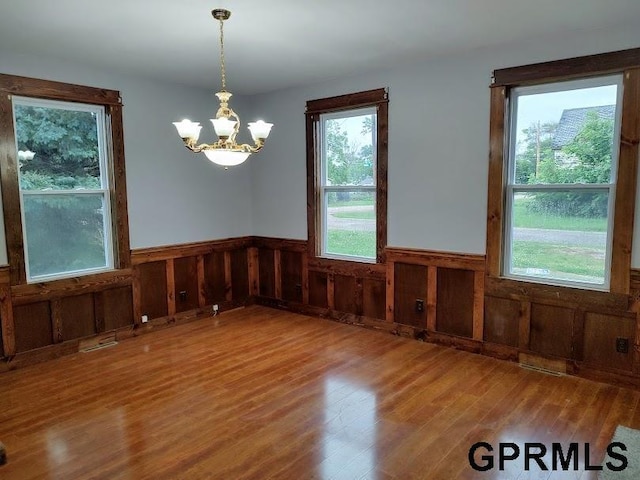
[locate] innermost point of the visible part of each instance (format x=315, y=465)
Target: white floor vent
x=99, y=342
x=541, y=370
x=555, y=367
x=99, y=346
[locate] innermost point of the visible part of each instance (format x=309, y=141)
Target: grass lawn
x=350, y=203
x=526, y=219
x=559, y=259
x=349, y=242
x=360, y=215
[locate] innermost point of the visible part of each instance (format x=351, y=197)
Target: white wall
x=438, y=146
x=174, y=196
x=438, y=143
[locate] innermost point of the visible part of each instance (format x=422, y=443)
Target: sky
x=548, y=107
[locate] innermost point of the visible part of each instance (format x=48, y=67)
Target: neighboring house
x=570, y=124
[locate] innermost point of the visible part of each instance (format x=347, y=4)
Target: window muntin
x=560, y=185
x=348, y=190
x=64, y=189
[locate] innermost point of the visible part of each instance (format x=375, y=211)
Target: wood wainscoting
x=439, y=297
x=169, y=285
x=460, y=306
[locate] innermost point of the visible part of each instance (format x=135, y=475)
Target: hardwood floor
x=260, y=393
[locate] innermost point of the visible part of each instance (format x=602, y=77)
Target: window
x=560, y=185
x=563, y=158
x=64, y=198
x=347, y=164
x=64, y=189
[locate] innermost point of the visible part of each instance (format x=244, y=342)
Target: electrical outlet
x=622, y=345
x=145, y=318
x=215, y=309
x=419, y=305
x=182, y=295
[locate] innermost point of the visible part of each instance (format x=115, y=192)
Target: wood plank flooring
x=259, y=393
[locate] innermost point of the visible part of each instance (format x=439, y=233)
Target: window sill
x=53, y=289
x=556, y=283
x=348, y=267
x=348, y=258
x=554, y=294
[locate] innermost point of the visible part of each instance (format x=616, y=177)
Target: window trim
x=377, y=98
x=49, y=90
x=626, y=62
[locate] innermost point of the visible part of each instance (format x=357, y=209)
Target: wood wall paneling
x=185, y=271
x=291, y=272
x=202, y=299
x=56, y=289
x=32, y=326
x=267, y=272
x=171, y=286
x=551, y=330
x=117, y=307
x=153, y=289
x=77, y=315
x=600, y=333
x=432, y=297
x=155, y=254
x=253, y=264
x=318, y=289
x=214, y=278
x=455, y=302
x=501, y=321
x=7, y=328
x=345, y=294
x=373, y=298
x=524, y=320
x=410, y=284
x=239, y=274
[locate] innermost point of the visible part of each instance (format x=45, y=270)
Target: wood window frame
x=627, y=63
x=45, y=89
x=371, y=98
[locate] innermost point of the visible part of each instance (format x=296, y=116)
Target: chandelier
x=225, y=151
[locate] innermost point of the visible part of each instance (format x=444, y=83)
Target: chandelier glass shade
x=226, y=151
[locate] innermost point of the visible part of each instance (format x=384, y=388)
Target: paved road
x=562, y=237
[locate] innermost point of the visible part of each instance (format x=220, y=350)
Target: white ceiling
x=274, y=44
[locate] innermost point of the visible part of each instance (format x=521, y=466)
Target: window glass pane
x=65, y=144
x=65, y=233
x=351, y=223
x=349, y=149
x=565, y=136
x=560, y=235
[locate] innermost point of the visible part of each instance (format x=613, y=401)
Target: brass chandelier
x=225, y=151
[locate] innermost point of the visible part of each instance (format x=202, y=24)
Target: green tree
x=66, y=146
x=592, y=148
x=348, y=162
x=538, y=149
x=586, y=159
x=337, y=147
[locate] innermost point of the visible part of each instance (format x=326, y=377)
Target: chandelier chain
x=222, y=69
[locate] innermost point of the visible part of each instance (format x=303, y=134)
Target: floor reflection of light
x=57, y=449
x=349, y=429
x=67, y=442
x=575, y=458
